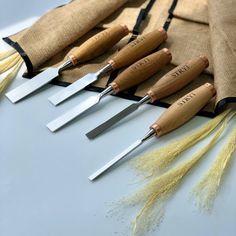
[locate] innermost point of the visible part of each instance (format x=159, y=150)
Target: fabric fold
x=222, y=20
x=59, y=28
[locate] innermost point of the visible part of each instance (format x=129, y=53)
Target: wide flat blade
x=73, y=113
x=119, y=116
x=32, y=85
x=72, y=89
x=115, y=160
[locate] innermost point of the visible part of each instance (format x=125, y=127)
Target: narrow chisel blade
x=115, y=160
x=72, y=89
x=32, y=85
x=73, y=113
x=110, y=122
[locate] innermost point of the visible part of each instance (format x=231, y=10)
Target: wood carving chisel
x=173, y=81
x=131, y=53
x=93, y=47
x=132, y=76
x=175, y=116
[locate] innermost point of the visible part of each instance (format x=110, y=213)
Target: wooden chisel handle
x=178, y=78
x=141, y=70
x=184, y=109
x=139, y=48
x=99, y=44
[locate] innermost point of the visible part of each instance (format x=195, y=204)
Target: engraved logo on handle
x=186, y=99
x=137, y=41
x=99, y=36
x=181, y=70
x=140, y=64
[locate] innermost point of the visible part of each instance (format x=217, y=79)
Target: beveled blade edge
x=113, y=120
x=115, y=160
x=32, y=85
x=72, y=89
x=70, y=115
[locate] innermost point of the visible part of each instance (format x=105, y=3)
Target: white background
x=44, y=189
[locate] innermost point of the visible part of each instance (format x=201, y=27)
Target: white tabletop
x=44, y=186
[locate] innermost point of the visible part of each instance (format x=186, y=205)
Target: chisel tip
x=11, y=98
x=52, y=127
x=53, y=102
x=90, y=136
x=95, y=175
x=91, y=178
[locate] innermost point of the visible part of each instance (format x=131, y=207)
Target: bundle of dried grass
x=206, y=190
x=158, y=190
x=10, y=61
x=156, y=160
x=6, y=54
x=5, y=82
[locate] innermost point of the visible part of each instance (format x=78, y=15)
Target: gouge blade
x=72, y=89
x=32, y=85
x=78, y=110
x=119, y=116
x=115, y=160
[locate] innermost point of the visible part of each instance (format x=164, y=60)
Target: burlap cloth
x=222, y=20
x=56, y=34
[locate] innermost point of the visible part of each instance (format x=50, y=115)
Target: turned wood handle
x=139, y=48
x=178, y=78
x=99, y=44
x=184, y=109
x=141, y=70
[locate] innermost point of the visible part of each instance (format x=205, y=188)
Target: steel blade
x=32, y=85
x=115, y=160
x=72, y=89
x=73, y=113
x=107, y=124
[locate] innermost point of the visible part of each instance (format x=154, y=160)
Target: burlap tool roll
x=84, y=21
x=182, y=41
x=195, y=11
x=187, y=38
x=119, y=17
x=222, y=20
x=59, y=28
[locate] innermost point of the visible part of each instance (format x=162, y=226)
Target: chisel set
x=139, y=60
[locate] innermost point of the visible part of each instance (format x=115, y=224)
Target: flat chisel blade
x=115, y=160
x=72, y=89
x=113, y=120
x=32, y=85
x=73, y=113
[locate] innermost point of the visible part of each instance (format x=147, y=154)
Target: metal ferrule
x=68, y=64
x=152, y=96
x=106, y=69
x=151, y=133
x=109, y=90
x=115, y=87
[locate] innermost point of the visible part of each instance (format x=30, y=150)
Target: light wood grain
x=184, y=109
x=99, y=44
x=141, y=70
x=178, y=78
x=139, y=48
